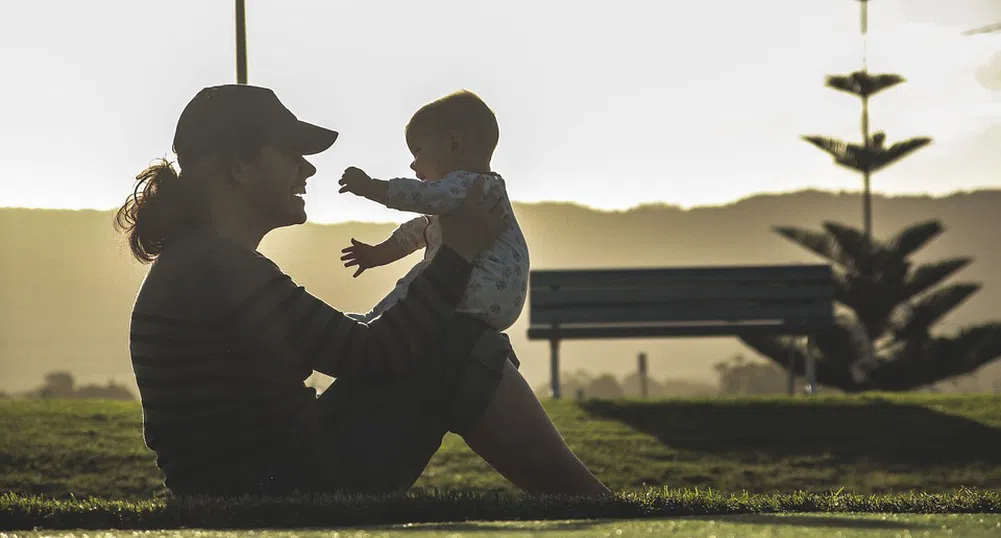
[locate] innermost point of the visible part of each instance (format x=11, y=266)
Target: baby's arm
x=409, y=236
x=406, y=239
x=426, y=197
x=429, y=197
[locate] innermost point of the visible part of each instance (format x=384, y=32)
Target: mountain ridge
x=68, y=283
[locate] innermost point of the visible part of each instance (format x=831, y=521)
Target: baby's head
x=456, y=132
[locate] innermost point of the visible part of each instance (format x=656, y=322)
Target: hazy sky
x=609, y=104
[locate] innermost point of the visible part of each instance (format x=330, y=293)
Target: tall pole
x=241, y=43
x=867, y=194
x=867, y=143
x=643, y=375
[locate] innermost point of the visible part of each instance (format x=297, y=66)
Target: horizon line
x=640, y=206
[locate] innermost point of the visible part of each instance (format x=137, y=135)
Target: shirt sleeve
x=410, y=234
x=429, y=197
x=272, y=317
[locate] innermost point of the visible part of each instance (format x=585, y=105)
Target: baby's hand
x=362, y=255
x=355, y=181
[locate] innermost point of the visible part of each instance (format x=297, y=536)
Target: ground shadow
x=881, y=432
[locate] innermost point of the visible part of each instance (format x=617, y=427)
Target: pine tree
x=882, y=337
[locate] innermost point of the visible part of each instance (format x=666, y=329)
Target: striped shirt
x=222, y=341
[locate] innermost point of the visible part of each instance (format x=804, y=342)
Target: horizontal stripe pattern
x=222, y=340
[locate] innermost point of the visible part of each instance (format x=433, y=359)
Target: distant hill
x=67, y=283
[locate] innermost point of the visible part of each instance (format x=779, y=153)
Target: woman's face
x=273, y=183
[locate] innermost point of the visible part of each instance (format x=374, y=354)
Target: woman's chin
x=298, y=217
x=298, y=209
x=294, y=213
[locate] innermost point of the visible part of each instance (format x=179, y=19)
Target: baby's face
x=434, y=155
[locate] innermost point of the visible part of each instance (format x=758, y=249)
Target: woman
x=222, y=341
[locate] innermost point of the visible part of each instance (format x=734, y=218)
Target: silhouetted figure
x=222, y=340
x=452, y=141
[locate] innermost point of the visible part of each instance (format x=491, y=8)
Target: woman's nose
x=307, y=168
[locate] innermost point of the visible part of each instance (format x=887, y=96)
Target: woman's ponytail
x=156, y=212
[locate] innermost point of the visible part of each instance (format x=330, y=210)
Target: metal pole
x=554, y=348
x=642, y=372
x=791, y=380
x=241, y=43
x=811, y=368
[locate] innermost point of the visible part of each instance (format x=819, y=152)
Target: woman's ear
x=238, y=171
x=455, y=142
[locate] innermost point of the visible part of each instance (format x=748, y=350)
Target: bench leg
x=791, y=380
x=811, y=368
x=554, y=366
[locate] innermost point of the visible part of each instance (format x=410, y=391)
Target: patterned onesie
x=499, y=282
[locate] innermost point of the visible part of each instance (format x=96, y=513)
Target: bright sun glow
x=605, y=104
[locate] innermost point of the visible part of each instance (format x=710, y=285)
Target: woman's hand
x=476, y=223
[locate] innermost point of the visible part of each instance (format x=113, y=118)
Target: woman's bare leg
x=516, y=437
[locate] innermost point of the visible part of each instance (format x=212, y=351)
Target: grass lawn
x=866, y=444
x=744, y=526
x=332, y=511
x=82, y=465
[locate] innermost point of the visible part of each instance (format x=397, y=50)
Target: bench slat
x=578, y=333
x=693, y=312
x=723, y=292
x=633, y=278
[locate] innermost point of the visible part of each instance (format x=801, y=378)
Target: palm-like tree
x=872, y=154
x=885, y=296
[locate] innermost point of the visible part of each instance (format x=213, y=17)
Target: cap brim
x=310, y=139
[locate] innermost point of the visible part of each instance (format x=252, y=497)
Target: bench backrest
x=700, y=299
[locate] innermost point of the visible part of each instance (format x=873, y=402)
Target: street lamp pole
x=241, y=43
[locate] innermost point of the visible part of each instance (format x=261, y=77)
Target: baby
x=452, y=141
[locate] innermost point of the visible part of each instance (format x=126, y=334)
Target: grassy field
x=744, y=526
x=82, y=465
x=868, y=444
x=18, y=512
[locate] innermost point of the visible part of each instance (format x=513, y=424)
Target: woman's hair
x=161, y=207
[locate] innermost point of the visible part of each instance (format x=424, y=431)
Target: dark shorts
x=379, y=436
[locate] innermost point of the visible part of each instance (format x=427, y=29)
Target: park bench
x=793, y=300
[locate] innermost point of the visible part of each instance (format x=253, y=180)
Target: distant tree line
x=736, y=376
x=62, y=385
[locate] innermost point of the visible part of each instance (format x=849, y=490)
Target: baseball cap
x=226, y=117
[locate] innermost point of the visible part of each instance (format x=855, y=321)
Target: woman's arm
x=271, y=316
